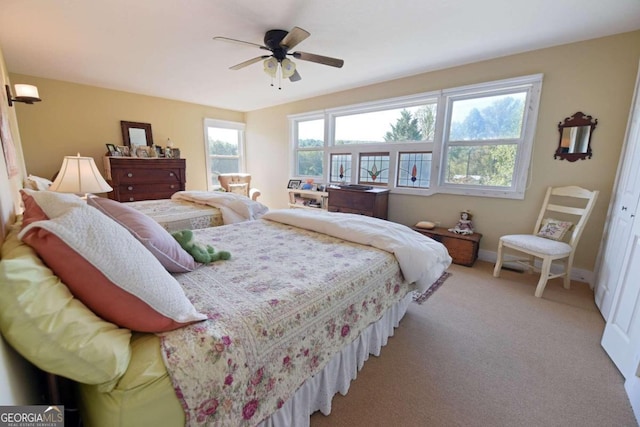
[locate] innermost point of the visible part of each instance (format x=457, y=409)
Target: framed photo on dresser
x=113, y=151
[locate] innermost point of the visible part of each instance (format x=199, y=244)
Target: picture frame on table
x=124, y=150
x=113, y=151
x=142, y=151
x=294, y=184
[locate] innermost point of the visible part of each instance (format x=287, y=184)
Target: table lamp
x=79, y=175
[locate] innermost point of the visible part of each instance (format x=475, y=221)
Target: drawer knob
x=131, y=199
x=171, y=174
x=172, y=186
x=130, y=188
x=129, y=174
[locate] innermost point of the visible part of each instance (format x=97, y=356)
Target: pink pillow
x=107, y=269
x=151, y=234
x=32, y=212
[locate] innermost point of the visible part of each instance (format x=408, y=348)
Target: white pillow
x=105, y=267
x=37, y=183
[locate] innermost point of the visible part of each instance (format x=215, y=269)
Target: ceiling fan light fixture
x=288, y=68
x=271, y=66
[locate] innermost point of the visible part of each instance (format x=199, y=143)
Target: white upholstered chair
x=239, y=183
x=560, y=214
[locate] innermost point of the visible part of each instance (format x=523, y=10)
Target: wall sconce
x=24, y=93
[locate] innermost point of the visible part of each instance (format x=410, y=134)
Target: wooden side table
x=463, y=248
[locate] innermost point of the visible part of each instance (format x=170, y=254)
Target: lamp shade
x=79, y=175
x=288, y=68
x=27, y=91
x=271, y=66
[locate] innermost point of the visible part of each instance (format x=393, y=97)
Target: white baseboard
x=577, y=274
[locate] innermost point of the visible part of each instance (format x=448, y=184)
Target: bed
x=199, y=209
x=265, y=338
x=176, y=215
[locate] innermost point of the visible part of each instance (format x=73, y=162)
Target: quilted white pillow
x=105, y=267
x=554, y=229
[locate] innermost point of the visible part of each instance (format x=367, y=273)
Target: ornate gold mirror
x=575, y=137
x=134, y=133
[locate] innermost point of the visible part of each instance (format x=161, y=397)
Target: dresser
x=135, y=179
x=373, y=202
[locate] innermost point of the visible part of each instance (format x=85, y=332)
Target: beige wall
x=77, y=118
x=596, y=77
x=17, y=376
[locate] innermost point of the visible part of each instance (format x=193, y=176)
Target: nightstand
x=463, y=248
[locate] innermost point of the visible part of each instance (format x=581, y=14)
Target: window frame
x=294, y=148
x=223, y=124
x=531, y=84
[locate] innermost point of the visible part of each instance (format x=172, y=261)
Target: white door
x=624, y=206
x=622, y=331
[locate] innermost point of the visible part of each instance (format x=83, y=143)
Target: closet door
x=621, y=336
x=622, y=211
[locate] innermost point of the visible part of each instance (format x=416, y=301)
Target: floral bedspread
x=176, y=215
x=284, y=304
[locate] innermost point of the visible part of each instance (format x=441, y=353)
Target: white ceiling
x=164, y=47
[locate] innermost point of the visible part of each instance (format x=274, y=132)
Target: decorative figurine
x=464, y=226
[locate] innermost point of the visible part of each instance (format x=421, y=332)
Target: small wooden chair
x=546, y=241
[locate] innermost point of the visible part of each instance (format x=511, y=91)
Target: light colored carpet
x=485, y=352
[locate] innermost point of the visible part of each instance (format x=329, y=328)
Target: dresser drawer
x=130, y=175
x=351, y=200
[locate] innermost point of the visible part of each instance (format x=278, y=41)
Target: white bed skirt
x=317, y=392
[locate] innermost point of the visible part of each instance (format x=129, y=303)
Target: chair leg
x=531, y=260
x=544, y=276
x=498, y=267
x=568, y=265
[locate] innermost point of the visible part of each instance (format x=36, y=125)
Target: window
x=224, y=148
x=482, y=139
x=340, y=167
x=374, y=168
x=474, y=140
x=414, y=170
x=309, y=144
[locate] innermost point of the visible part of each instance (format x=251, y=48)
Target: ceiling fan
x=279, y=43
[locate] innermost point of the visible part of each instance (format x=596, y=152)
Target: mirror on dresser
x=575, y=137
x=134, y=133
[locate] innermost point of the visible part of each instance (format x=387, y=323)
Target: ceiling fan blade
x=295, y=36
x=249, y=62
x=227, y=39
x=326, y=60
x=295, y=77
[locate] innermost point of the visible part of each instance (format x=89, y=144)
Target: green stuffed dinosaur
x=200, y=252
